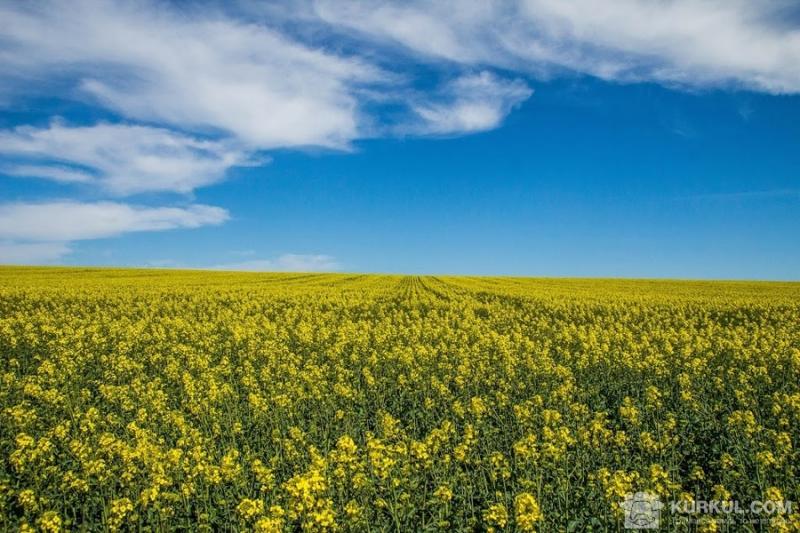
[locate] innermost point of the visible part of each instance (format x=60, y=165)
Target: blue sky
x=632, y=139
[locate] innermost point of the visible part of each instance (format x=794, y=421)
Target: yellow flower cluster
x=526, y=512
x=156, y=401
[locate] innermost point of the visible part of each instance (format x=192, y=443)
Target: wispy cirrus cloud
x=691, y=43
x=121, y=159
x=215, y=90
x=204, y=68
x=209, y=70
x=188, y=68
x=55, y=171
x=470, y=103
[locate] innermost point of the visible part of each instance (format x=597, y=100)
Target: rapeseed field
x=142, y=400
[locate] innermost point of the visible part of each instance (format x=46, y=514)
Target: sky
x=587, y=138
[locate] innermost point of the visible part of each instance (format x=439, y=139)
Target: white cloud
x=739, y=43
x=189, y=69
x=15, y=253
x=286, y=263
x=243, y=83
x=65, y=221
x=434, y=28
x=53, y=172
x=469, y=104
x=123, y=159
x=205, y=68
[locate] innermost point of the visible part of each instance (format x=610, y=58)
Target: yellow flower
x=264, y=475
x=707, y=524
x=250, y=509
x=347, y=446
x=773, y=494
x=28, y=500
x=230, y=468
x=273, y=523
x=697, y=473
x=501, y=469
x=660, y=482
x=353, y=511
x=120, y=508
x=525, y=449
x=629, y=412
x=443, y=494
x=477, y=407
x=720, y=493
x=526, y=512
x=726, y=461
x=766, y=459
x=268, y=525
x=496, y=515
x=50, y=522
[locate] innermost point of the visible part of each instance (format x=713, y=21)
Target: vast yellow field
x=162, y=400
